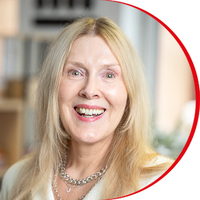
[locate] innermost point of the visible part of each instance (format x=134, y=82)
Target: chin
x=90, y=138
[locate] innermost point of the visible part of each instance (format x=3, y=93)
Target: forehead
x=96, y=39
x=91, y=49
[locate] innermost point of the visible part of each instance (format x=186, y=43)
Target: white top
x=94, y=194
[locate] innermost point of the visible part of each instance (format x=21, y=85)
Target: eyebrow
x=79, y=64
x=111, y=65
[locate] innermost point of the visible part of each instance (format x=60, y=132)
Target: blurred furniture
x=11, y=131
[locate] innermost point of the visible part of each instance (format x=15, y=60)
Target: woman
x=93, y=117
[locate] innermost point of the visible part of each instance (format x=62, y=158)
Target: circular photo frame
x=171, y=79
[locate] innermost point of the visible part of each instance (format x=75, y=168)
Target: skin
x=92, y=76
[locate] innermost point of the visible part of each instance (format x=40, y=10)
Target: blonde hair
x=130, y=150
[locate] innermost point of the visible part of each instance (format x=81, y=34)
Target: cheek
x=65, y=95
x=116, y=95
x=67, y=91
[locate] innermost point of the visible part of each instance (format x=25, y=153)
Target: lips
x=89, y=112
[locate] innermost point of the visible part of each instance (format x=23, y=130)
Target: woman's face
x=92, y=95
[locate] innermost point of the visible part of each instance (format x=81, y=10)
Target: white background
x=183, y=17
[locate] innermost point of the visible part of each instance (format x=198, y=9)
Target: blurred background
x=27, y=27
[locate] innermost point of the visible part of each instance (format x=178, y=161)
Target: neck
x=85, y=159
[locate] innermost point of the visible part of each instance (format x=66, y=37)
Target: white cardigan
x=10, y=178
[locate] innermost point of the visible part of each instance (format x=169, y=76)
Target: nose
x=90, y=89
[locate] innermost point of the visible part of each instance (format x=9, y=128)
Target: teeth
x=90, y=111
x=87, y=112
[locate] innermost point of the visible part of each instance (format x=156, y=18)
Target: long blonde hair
x=130, y=150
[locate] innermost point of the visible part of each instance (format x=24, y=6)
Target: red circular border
x=197, y=92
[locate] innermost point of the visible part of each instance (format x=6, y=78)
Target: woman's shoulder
x=13, y=171
x=154, y=163
x=159, y=159
x=10, y=178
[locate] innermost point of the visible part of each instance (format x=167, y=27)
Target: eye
x=75, y=73
x=109, y=75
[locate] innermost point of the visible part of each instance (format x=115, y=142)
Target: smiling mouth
x=84, y=112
